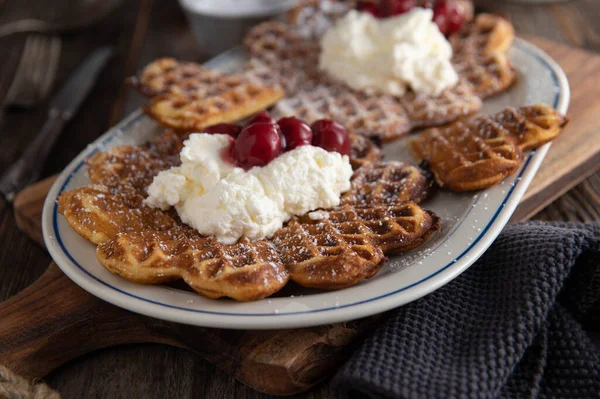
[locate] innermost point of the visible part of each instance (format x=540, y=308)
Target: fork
x=36, y=71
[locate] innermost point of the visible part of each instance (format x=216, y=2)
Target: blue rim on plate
x=57, y=247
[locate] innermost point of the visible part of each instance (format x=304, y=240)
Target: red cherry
x=456, y=17
x=441, y=21
x=369, y=7
x=441, y=14
x=284, y=141
x=224, y=128
x=331, y=136
x=262, y=116
x=397, y=7
x=296, y=132
x=257, y=145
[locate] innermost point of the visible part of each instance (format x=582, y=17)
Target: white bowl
x=222, y=24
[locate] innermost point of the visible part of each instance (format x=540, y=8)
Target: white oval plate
x=470, y=223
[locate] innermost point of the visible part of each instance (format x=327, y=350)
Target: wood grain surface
x=141, y=31
x=54, y=321
x=575, y=154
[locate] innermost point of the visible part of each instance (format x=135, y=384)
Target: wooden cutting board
x=54, y=321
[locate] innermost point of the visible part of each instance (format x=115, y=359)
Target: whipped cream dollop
x=220, y=199
x=389, y=55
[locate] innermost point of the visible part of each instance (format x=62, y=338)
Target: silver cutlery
x=62, y=108
x=36, y=71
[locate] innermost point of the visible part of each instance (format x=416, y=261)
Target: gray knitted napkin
x=516, y=324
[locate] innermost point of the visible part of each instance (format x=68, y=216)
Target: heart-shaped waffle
x=98, y=213
x=532, y=126
x=382, y=116
x=469, y=156
x=364, y=150
x=127, y=166
x=394, y=229
x=167, y=74
x=244, y=271
x=387, y=183
x=186, y=96
x=479, y=153
x=311, y=249
x=480, y=54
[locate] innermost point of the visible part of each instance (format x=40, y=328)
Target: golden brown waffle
x=244, y=271
x=380, y=116
x=478, y=154
x=466, y=157
x=469, y=156
x=98, y=215
x=185, y=112
x=327, y=254
x=452, y=104
x=363, y=150
x=312, y=248
x=392, y=228
x=532, y=126
x=186, y=96
x=480, y=54
x=121, y=167
x=147, y=246
x=168, y=74
x=151, y=246
x=387, y=183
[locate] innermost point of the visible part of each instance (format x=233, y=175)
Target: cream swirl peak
x=389, y=55
x=220, y=199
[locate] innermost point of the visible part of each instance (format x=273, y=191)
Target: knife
x=63, y=106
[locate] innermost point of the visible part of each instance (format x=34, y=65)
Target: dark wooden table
x=142, y=30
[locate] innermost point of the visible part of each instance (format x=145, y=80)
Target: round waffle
x=150, y=246
x=480, y=60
